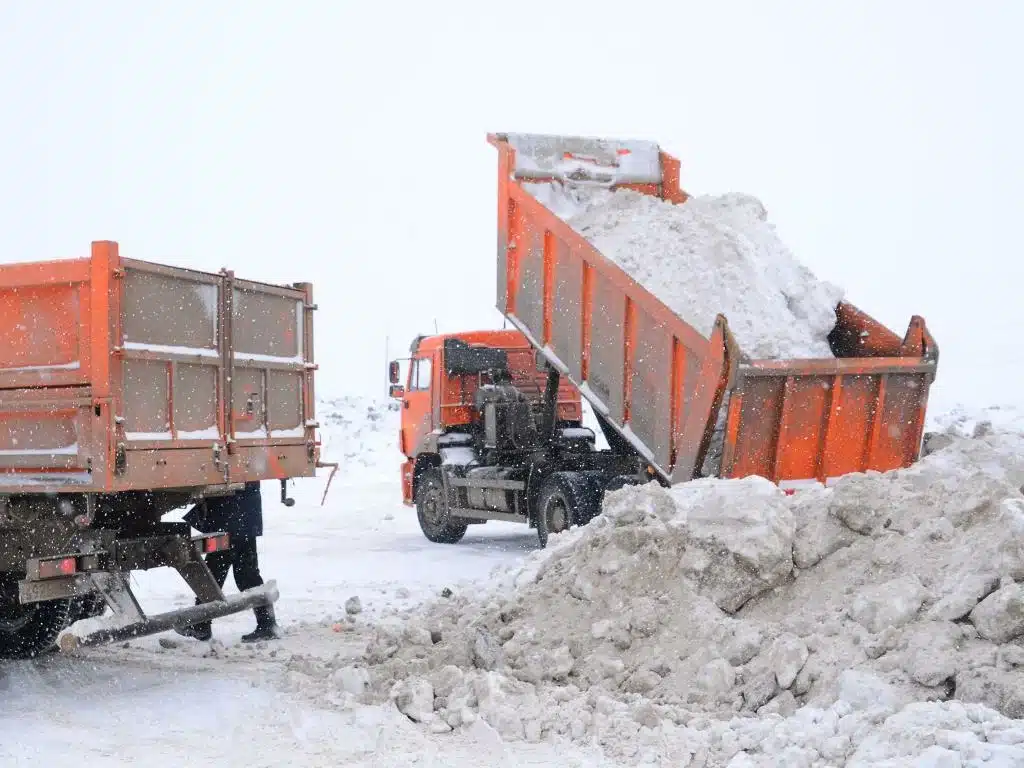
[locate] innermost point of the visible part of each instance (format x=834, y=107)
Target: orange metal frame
x=94, y=390
x=785, y=431
x=448, y=403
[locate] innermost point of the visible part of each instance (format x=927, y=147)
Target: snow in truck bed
x=711, y=255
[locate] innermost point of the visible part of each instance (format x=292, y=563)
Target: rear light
x=62, y=566
x=216, y=543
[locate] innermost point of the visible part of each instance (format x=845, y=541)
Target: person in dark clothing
x=239, y=515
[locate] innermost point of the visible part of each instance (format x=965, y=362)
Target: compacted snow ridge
x=711, y=255
x=875, y=622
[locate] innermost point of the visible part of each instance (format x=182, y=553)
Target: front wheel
x=432, y=511
x=29, y=630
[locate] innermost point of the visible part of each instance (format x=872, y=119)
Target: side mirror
x=396, y=391
x=393, y=372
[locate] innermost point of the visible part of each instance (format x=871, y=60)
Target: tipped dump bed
x=118, y=374
x=660, y=383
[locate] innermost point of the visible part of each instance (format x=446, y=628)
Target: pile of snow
x=877, y=620
x=710, y=255
x=973, y=422
x=360, y=434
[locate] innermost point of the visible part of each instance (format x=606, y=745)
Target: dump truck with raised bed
x=129, y=389
x=492, y=420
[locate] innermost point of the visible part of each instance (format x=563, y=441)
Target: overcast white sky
x=344, y=143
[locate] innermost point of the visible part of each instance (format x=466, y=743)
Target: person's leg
x=247, y=576
x=247, y=564
x=219, y=564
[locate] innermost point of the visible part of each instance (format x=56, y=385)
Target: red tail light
x=217, y=543
x=51, y=569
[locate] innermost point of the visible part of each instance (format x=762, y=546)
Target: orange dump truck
x=129, y=389
x=657, y=385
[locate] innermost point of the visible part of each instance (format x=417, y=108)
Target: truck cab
x=484, y=422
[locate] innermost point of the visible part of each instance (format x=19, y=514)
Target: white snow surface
x=714, y=254
x=876, y=622
x=722, y=623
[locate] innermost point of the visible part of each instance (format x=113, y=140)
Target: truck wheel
x=29, y=630
x=618, y=482
x=562, y=503
x=432, y=511
x=87, y=607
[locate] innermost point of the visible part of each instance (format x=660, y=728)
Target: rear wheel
x=433, y=513
x=29, y=630
x=565, y=499
x=88, y=607
x=620, y=481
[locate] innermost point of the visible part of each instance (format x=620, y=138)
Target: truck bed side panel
x=117, y=376
x=609, y=336
x=168, y=376
x=44, y=322
x=271, y=389
x=658, y=379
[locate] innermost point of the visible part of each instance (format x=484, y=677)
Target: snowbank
x=711, y=255
x=723, y=622
x=361, y=434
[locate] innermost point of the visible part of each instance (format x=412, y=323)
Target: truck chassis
x=514, y=464
x=68, y=557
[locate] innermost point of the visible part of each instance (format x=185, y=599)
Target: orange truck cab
x=487, y=429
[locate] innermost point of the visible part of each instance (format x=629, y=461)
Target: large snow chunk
x=891, y=604
x=818, y=532
x=788, y=656
x=1000, y=616
x=931, y=653
x=414, y=699
x=742, y=538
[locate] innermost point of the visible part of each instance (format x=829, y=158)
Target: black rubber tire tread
x=571, y=489
x=594, y=488
x=448, y=532
x=86, y=607
x=619, y=481
x=35, y=631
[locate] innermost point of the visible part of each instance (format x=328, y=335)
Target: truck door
x=417, y=409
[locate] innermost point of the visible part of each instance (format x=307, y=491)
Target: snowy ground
x=234, y=704
x=165, y=700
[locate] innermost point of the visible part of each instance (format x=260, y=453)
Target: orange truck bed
x=121, y=375
x=791, y=421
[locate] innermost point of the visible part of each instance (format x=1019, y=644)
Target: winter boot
x=201, y=631
x=266, y=625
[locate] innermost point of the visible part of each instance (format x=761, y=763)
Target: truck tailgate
x=119, y=374
x=659, y=381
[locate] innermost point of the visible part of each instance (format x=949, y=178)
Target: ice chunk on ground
x=891, y=604
x=1000, y=616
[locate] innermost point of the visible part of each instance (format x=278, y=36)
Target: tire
x=593, y=496
x=617, y=482
x=563, y=501
x=87, y=607
x=27, y=631
x=432, y=511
